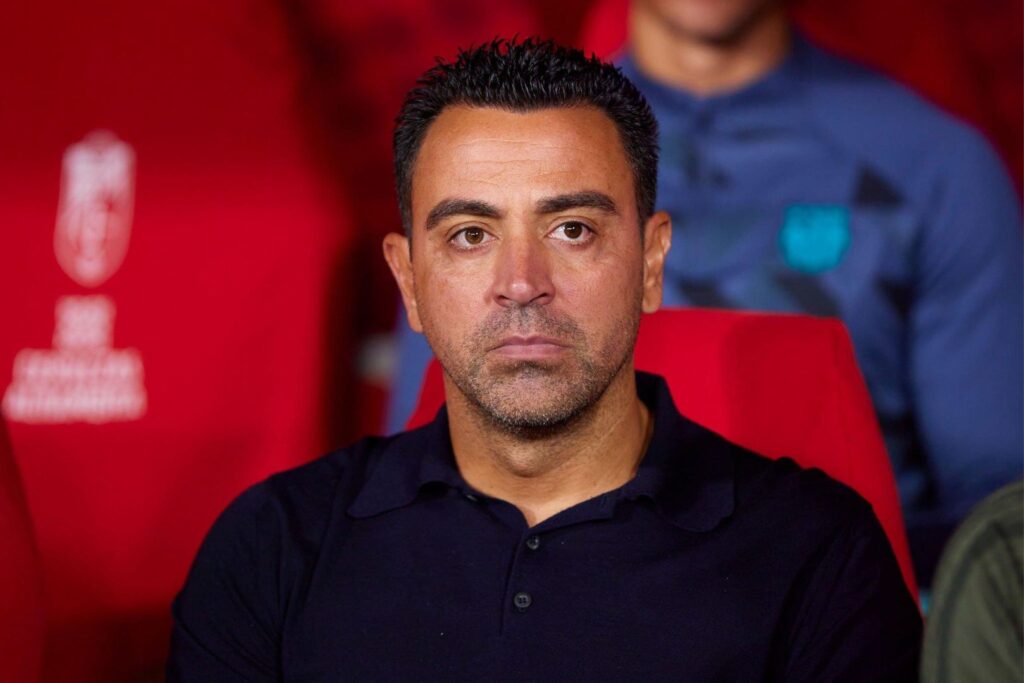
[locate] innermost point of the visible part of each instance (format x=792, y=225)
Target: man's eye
x=572, y=231
x=470, y=237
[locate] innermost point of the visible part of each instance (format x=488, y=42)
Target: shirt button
x=533, y=542
x=522, y=601
x=471, y=498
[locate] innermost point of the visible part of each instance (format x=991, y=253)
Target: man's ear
x=657, y=242
x=398, y=254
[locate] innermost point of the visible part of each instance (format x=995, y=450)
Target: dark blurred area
x=235, y=316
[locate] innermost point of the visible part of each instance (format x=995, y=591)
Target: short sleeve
x=851, y=617
x=226, y=618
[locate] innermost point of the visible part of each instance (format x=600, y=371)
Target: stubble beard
x=531, y=399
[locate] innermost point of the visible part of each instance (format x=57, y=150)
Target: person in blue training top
x=800, y=182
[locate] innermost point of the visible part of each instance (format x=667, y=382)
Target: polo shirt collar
x=687, y=471
x=407, y=463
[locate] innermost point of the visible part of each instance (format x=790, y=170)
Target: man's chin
x=527, y=383
x=533, y=420
x=533, y=399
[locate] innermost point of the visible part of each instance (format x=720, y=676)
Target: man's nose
x=522, y=272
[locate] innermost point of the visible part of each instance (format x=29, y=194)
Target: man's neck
x=703, y=66
x=543, y=476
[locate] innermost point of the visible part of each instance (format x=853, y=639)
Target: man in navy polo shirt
x=800, y=182
x=559, y=519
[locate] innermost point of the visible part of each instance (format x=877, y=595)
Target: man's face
x=713, y=21
x=528, y=271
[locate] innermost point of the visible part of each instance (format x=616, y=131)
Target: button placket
x=519, y=596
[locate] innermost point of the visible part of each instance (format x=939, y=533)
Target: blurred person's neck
x=707, y=65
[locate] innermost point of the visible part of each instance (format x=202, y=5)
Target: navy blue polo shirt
x=379, y=562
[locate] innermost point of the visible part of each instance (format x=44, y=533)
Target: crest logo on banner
x=94, y=218
x=83, y=378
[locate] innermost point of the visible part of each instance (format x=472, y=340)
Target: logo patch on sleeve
x=814, y=237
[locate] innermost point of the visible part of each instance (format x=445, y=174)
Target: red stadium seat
x=21, y=597
x=780, y=385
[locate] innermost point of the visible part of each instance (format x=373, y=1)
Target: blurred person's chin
x=719, y=22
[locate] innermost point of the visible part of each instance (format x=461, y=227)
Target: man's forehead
x=490, y=146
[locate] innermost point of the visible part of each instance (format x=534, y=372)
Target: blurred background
x=235, y=317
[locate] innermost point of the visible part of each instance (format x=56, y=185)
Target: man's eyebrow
x=460, y=207
x=587, y=199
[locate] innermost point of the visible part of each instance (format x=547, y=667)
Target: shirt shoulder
x=977, y=595
x=846, y=613
x=290, y=513
x=886, y=124
x=311, y=496
x=986, y=553
x=806, y=502
x=309, y=490
x=255, y=561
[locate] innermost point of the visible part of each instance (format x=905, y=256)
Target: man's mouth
x=529, y=347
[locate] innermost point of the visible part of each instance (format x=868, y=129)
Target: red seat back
x=780, y=385
x=21, y=596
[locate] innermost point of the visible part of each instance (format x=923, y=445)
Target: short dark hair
x=523, y=76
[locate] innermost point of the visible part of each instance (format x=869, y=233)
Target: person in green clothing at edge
x=975, y=625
